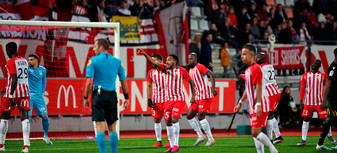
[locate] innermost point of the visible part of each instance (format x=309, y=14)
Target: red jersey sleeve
x=303, y=84
x=243, y=76
x=186, y=76
x=148, y=77
x=256, y=74
x=163, y=67
x=11, y=66
x=202, y=68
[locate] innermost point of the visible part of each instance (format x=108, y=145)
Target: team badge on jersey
x=40, y=72
x=89, y=62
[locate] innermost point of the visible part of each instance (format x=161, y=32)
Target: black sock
x=324, y=132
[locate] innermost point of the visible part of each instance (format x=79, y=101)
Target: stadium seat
x=270, y=3
x=280, y=2
x=194, y=25
x=289, y=12
x=203, y=24
x=195, y=11
x=289, y=3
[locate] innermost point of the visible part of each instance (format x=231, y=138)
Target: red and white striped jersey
x=269, y=80
x=157, y=78
x=202, y=88
x=18, y=65
x=312, y=84
x=253, y=76
x=174, y=83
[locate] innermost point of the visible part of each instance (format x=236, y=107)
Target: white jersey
x=269, y=79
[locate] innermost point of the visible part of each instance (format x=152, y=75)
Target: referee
x=103, y=69
x=330, y=100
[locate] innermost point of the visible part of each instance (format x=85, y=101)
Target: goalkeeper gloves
x=149, y=102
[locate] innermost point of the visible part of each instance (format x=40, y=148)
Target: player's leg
x=276, y=129
x=330, y=137
x=205, y=126
x=324, y=132
x=307, y=114
x=157, y=114
x=258, y=145
x=3, y=129
x=257, y=122
x=170, y=131
x=194, y=124
x=41, y=110
x=99, y=114
x=25, y=129
x=176, y=115
x=100, y=139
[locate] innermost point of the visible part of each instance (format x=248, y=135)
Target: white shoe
x=2, y=149
x=322, y=147
x=47, y=140
x=210, y=142
x=199, y=140
x=25, y=150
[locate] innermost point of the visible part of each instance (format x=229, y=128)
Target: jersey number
x=271, y=75
x=23, y=71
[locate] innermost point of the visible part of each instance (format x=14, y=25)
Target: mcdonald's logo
x=66, y=92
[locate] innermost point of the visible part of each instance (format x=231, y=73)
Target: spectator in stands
x=304, y=34
x=253, y=11
x=301, y=5
x=101, y=16
x=229, y=32
x=134, y=8
x=199, y=3
x=333, y=32
x=269, y=29
x=64, y=10
x=263, y=13
x=111, y=7
x=80, y=8
x=221, y=14
x=265, y=37
x=215, y=33
x=225, y=57
x=262, y=28
x=243, y=17
x=145, y=11
x=244, y=35
x=320, y=6
x=289, y=113
x=255, y=28
x=312, y=20
x=272, y=19
x=278, y=30
x=124, y=8
x=288, y=35
x=156, y=6
x=194, y=46
x=210, y=7
x=206, y=50
x=321, y=33
x=280, y=14
x=231, y=15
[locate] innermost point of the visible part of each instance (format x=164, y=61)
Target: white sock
x=195, y=126
x=176, y=131
x=305, y=128
x=157, y=130
x=330, y=133
x=259, y=146
x=270, y=129
x=170, y=135
x=206, y=128
x=95, y=128
x=25, y=131
x=3, y=130
x=276, y=129
x=266, y=142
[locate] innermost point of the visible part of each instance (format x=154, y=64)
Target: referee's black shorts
x=104, y=106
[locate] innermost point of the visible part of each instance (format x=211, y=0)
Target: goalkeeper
x=37, y=87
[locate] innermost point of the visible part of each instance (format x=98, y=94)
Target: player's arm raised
x=212, y=77
x=153, y=62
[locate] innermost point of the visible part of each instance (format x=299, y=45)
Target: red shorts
x=203, y=105
x=307, y=112
x=158, y=110
x=273, y=101
x=173, y=108
x=256, y=121
x=22, y=103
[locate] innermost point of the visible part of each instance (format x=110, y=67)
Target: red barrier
x=65, y=96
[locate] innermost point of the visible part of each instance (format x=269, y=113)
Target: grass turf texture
x=143, y=145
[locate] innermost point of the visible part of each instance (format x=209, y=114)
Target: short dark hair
x=157, y=56
x=104, y=43
x=175, y=57
x=194, y=55
x=335, y=52
x=12, y=47
x=250, y=48
x=33, y=55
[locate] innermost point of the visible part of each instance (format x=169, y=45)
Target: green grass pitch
x=143, y=145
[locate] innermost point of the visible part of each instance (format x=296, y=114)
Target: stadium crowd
x=233, y=21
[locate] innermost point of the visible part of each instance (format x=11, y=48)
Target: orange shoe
x=158, y=144
x=167, y=144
